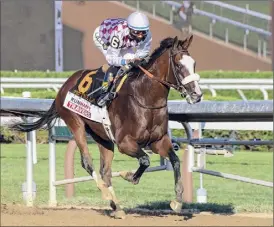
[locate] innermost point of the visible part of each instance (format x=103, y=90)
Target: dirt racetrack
x=15, y=215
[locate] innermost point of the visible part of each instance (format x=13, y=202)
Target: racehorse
x=138, y=116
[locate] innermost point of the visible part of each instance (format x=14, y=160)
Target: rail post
x=226, y=36
x=29, y=187
x=211, y=28
x=52, y=169
x=245, y=39
x=188, y=164
x=69, y=167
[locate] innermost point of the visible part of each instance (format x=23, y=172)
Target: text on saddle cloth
x=84, y=108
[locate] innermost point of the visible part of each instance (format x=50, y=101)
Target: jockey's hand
x=135, y=62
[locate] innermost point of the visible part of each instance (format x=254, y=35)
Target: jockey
x=122, y=41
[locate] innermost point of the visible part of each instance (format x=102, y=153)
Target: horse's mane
x=164, y=45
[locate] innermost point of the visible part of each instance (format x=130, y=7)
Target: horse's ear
x=175, y=42
x=187, y=42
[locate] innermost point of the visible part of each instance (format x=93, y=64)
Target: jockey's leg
x=108, y=94
x=110, y=75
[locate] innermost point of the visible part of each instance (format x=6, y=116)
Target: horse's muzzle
x=194, y=98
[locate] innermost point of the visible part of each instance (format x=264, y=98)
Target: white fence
x=240, y=10
x=212, y=85
x=262, y=48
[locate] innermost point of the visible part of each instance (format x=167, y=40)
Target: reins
x=150, y=75
x=171, y=63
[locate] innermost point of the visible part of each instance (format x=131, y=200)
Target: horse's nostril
x=183, y=95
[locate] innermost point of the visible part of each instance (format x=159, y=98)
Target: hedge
x=222, y=95
x=203, y=74
x=9, y=136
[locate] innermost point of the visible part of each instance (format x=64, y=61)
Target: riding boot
x=107, y=96
x=108, y=93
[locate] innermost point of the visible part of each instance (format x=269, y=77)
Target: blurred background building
x=228, y=35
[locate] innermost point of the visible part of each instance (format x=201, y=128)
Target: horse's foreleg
x=131, y=148
x=164, y=148
x=144, y=163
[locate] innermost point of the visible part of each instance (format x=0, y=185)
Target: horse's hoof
x=123, y=174
x=120, y=214
x=126, y=176
x=113, y=205
x=176, y=206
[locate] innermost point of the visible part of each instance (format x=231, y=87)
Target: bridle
x=179, y=86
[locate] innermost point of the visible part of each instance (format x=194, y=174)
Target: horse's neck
x=149, y=91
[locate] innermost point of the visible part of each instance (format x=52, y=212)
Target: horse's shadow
x=162, y=209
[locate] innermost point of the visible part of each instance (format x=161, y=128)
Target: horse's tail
x=46, y=118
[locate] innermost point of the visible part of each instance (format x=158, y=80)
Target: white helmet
x=138, y=21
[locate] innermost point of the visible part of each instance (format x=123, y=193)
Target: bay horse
x=138, y=115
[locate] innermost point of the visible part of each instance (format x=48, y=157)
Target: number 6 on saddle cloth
x=93, y=83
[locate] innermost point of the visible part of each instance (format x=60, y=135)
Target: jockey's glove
x=135, y=62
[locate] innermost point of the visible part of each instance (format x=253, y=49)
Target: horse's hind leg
x=106, y=157
x=77, y=127
x=164, y=148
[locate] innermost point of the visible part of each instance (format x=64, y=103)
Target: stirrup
x=106, y=97
x=112, y=95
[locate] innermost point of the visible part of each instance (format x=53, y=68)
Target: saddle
x=90, y=85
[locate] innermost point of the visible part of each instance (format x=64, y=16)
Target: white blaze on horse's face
x=189, y=63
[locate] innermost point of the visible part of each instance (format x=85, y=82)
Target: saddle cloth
x=84, y=108
x=89, y=85
x=81, y=99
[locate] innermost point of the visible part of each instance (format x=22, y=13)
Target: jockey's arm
x=113, y=55
x=144, y=49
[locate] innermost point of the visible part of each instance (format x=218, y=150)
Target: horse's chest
x=144, y=126
x=155, y=134
x=155, y=128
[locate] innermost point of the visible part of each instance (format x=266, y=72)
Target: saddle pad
x=84, y=108
x=89, y=84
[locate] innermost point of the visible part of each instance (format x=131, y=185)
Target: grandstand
x=232, y=33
